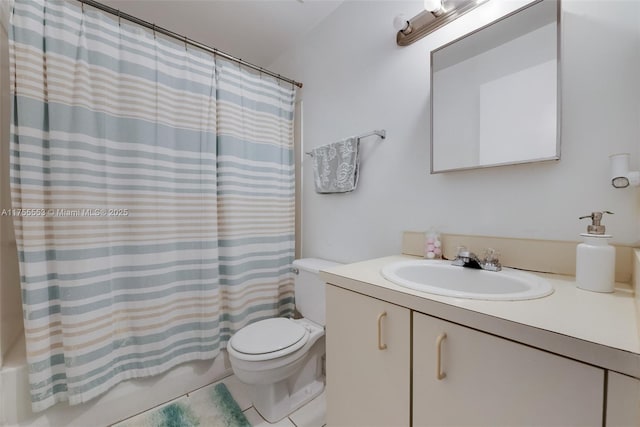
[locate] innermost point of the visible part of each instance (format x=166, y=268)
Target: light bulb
x=400, y=23
x=434, y=6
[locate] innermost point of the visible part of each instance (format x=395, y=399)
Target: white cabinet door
x=491, y=381
x=623, y=401
x=368, y=361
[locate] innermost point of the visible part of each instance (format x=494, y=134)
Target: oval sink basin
x=442, y=278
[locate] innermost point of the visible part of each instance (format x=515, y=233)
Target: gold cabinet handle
x=381, y=345
x=439, y=374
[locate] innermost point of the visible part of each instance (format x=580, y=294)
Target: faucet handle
x=491, y=261
x=491, y=255
x=464, y=252
x=461, y=253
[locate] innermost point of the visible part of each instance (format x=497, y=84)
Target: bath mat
x=211, y=406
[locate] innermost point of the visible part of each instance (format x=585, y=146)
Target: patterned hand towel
x=335, y=166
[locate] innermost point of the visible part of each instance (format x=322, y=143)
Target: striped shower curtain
x=256, y=196
x=144, y=232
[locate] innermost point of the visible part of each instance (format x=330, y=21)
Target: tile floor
x=310, y=415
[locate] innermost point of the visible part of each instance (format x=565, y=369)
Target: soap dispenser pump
x=595, y=258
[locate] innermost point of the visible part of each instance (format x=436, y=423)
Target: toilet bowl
x=281, y=359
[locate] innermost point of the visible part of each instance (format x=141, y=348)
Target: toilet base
x=273, y=402
x=277, y=400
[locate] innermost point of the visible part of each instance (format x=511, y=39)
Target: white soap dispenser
x=595, y=258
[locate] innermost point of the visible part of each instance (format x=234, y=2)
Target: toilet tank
x=309, y=288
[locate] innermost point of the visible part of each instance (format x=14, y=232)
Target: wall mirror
x=495, y=92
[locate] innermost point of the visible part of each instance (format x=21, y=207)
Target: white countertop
x=596, y=328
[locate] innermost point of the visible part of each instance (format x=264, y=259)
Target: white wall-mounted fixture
x=621, y=176
x=436, y=14
x=401, y=24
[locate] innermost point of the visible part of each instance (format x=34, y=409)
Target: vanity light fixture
x=436, y=13
x=621, y=176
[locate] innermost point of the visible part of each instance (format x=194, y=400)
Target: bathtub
x=122, y=401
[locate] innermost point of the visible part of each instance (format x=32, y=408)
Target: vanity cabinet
x=368, y=361
x=389, y=366
x=465, y=377
x=623, y=400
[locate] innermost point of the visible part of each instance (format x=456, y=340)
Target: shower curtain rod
x=185, y=39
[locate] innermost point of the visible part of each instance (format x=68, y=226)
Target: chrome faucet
x=466, y=258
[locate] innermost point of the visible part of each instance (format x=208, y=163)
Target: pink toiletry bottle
x=432, y=245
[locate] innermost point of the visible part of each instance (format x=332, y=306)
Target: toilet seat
x=269, y=339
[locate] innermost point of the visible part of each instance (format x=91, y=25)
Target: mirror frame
x=558, y=91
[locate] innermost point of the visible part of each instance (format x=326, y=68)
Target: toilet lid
x=267, y=336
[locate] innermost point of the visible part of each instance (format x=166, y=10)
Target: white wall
x=357, y=79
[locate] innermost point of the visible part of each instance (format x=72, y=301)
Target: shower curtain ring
x=154, y=31
x=119, y=19
x=185, y=42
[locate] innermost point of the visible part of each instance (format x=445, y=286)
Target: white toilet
x=282, y=359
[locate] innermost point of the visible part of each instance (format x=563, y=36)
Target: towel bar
x=381, y=133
